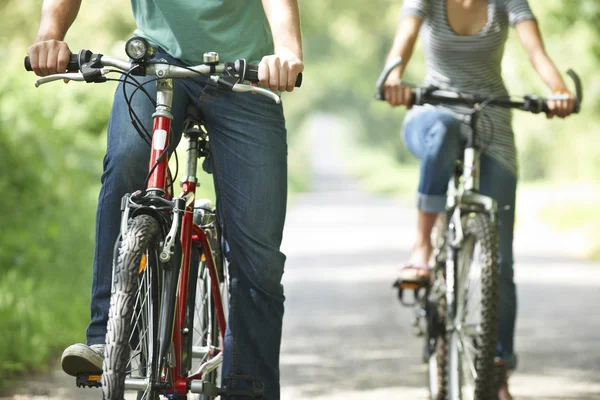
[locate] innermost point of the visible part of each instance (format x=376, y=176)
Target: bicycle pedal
x=404, y=285
x=93, y=380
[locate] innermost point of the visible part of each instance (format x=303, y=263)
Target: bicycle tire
x=133, y=313
x=470, y=376
x=436, y=342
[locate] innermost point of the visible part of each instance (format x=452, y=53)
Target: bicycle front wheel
x=133, y=317
x=473, y=336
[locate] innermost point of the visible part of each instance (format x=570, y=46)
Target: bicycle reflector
x=138, y=49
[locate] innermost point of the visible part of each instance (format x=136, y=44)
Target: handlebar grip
x=252, y=75
x=72, y=66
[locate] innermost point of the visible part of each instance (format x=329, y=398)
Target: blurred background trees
x=52, y=140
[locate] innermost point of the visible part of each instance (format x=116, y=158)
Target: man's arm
x=279, y=71
x=531, y=39
x=49, y=54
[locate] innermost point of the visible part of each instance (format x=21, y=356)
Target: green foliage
x=51, y=146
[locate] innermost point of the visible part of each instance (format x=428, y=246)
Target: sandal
x=414, y=273
x=501, y=381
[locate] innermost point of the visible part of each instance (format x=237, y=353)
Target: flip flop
x=414, y=273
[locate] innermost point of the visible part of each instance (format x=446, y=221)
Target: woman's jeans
x=249, y=165
x=434, y=137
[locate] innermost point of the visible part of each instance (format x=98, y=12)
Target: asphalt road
x=347, y=337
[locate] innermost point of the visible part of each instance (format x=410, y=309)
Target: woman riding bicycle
x=464, y=44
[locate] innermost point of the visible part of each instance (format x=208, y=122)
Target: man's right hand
x=395, y=93
x=49, y=57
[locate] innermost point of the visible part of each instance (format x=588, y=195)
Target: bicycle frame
x=190, y=233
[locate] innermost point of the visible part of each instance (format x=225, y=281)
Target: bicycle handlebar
x=90, y=67
x=436, y=96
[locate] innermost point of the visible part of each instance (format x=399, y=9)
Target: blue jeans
x=249, y=166
x=434, y=137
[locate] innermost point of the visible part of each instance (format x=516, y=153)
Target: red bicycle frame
x=190, y=232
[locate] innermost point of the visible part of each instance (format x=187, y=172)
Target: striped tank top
x=472, y=64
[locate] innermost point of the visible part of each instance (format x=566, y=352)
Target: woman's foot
x=502, y=382
x=417, y=269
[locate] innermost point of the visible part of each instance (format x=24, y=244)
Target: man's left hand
x=279, y=71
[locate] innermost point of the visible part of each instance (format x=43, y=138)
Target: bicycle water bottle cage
x=242, y=387
x=91, y=380
x=408, y=285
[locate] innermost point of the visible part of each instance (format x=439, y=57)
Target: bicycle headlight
x=138, y=49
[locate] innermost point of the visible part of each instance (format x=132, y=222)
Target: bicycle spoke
x=467, y=348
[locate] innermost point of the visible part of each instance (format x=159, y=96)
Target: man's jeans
x=249, y=165
x=434, y=137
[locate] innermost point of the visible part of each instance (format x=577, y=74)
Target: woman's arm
x=279, y=71
x=531, y=39
x=49, y=54
x=404, y=43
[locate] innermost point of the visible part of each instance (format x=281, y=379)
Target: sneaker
x=79, y=358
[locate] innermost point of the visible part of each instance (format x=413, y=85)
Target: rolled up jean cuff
x=431, y=203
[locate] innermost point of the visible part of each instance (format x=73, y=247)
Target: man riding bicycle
x=249, y=160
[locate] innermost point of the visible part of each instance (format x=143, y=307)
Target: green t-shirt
x=187, y=29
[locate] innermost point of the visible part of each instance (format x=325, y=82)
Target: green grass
x=44, y=293
x=572, y=208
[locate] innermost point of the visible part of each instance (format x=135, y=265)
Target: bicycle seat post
x=192, y=156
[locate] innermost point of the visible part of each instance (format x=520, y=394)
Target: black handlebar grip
x=545, y=108
x=28, y=64
x=72, y=66
x=252, y=75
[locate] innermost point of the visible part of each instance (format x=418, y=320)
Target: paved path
x=346, y=336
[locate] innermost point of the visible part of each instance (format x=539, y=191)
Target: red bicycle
x=170, y=283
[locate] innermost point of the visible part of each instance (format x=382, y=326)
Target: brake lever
x=383, y=77
x=242, y=88
x=578, y=89
x=72, y=76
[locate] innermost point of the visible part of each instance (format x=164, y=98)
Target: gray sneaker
x=79, y=358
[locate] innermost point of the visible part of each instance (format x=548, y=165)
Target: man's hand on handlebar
x=395, y=93
x=561, y=108
x=49, y=57
x=278, y=72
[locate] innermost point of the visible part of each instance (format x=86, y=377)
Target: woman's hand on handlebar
x=395, y=93
x=49, y=57
x=561, y=108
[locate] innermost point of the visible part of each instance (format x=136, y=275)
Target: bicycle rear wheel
x=133, y=317
x=206, y=338
x=473, y=337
